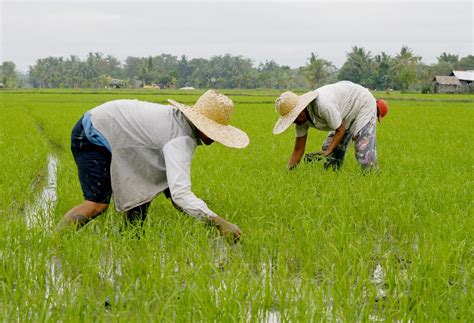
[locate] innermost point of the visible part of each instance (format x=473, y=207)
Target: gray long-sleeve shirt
x=152, y=149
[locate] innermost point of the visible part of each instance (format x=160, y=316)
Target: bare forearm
x=340, y=132
x=298, y=152
x=295, y=159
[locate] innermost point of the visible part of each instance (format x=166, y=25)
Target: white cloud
x=286, y=32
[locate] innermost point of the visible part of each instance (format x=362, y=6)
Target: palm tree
x=317, y=70
x=384, y=78
x=449, y=58
x=404, y=69
x=359, y=67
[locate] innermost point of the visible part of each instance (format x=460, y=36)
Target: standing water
x=378, y=280
x=40, y=211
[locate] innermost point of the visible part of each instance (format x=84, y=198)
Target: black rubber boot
x=137, y=215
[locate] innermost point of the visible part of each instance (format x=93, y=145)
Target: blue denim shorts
x=93, y=165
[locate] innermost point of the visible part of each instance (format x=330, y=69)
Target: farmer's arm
x=167, y=194
x=329, y=112
x=338, y=135
x=298, y=151
x=178, y=154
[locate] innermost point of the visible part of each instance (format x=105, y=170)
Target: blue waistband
x=93, y=134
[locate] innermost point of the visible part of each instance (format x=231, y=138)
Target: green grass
x=396, y=95
x=312, y=238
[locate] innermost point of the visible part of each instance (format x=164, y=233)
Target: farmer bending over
x=138, y=149
x=348, y=110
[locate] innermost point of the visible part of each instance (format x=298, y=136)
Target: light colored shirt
x=152, y=149
x=340, y=103
x=92, y=134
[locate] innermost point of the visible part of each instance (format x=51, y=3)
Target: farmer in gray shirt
x=347, y=110
x=137, y=150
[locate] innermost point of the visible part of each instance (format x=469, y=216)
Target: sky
x=284, y=31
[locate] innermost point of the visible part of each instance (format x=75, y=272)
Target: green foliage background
x=405, y=71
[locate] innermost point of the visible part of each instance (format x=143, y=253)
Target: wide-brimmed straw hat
x=289, y=105
x=211, y=114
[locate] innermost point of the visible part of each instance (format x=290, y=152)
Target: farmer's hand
x=316, y=156
x=227, y=229
x=292, y=166
x=323, y=153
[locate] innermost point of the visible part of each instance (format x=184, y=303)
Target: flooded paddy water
x=39, y=213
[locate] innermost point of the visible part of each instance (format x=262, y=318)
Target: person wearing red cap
x=348, y=110
x=382, y=109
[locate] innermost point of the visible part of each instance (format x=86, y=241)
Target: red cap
x=382, y=109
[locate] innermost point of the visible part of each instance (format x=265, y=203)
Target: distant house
x=115, y=84
x=466, y=78
x=187, y=88
x=2, y=85
x=446, y=84
x=137, y=83
x=151, y=86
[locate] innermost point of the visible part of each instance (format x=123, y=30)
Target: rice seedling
x=317, y=245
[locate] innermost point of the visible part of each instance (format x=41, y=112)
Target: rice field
x=396, y=245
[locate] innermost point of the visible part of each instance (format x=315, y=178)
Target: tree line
x=404, y=71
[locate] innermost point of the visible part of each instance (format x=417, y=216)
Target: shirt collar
x=311, y=108
x=195, y=131
x=196, y=134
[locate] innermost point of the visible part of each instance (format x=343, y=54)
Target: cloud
x=286, y=32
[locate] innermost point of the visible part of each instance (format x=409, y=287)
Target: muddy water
x=222, y=251
x=39, y=213
x=378, y=280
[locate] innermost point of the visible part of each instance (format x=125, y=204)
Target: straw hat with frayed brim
x=289, y=105
x=211, y=114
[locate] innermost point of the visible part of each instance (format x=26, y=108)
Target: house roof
x=115, y=81
x=464, y=75
x=446, y=80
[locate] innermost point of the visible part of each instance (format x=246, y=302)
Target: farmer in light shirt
x=347, y=110
x=137, y=150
